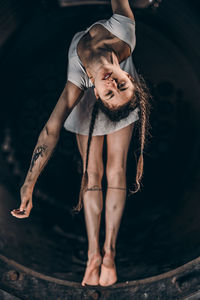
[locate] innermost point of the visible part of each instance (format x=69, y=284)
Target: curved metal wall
x=158, y=244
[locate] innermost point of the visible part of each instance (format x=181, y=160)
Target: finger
x=29, y=207
x=19, y=214
x=18, y=211
x=23, y=204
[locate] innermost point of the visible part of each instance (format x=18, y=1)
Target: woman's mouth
x=107, y=75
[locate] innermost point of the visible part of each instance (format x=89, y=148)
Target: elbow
x=54, y=132
x=46, y=129
x=48, y=132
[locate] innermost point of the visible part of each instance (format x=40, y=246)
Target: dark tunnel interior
x=160, y=229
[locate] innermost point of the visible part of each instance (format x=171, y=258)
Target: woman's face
x=113, y=86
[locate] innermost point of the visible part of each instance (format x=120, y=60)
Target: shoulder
x=73, y=45
x=124, y=28
x=76, y=74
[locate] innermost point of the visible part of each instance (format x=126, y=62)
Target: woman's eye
x=108, y=93
x=122, y=84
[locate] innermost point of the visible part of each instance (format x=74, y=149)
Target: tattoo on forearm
x=38, y=152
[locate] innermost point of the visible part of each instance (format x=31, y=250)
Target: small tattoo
x=117, y=188
x=94, y=188
x=38, y=152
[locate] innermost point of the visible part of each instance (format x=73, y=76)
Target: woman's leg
x=117, y=150
x=92, y=202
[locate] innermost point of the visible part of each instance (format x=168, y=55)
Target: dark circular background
x=160, y=226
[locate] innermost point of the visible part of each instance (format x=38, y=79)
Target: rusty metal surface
x=194, y=296
x=6, y=296
x=179, y=284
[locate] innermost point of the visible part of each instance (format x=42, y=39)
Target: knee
x=116, y=175
x=95, y=176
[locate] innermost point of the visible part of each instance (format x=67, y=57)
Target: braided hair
x=140, y=98
x=84, y=181
x=142, y=95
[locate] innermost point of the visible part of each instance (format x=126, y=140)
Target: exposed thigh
x=96, y=150
x=118, y=145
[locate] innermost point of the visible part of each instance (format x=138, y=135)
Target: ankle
x=93, y=253
x=109, y=250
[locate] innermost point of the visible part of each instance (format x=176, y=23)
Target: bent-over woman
x=102, y=99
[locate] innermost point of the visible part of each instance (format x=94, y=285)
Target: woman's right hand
x=24, y=210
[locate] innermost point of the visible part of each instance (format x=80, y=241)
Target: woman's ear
x=96, y=93
x=129, y=76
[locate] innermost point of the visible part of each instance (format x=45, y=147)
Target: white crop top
x=120, y=26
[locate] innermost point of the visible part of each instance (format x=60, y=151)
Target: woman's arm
x=122, y=7
x=46, y=143
x=50, y=134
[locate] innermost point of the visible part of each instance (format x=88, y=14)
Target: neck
x=104, y=58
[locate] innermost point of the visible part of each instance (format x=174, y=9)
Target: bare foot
x=108, y=271
x=91, y=276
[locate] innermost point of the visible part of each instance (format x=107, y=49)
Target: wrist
x=29, y=183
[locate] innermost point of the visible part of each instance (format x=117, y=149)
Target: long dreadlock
x=140, y=98
x=84, y=181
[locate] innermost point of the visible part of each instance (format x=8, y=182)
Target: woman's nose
x=112, y=82
x=113, y=79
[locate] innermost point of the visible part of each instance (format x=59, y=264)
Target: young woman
x=107, y=97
